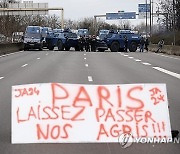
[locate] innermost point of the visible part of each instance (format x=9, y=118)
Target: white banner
x=71, y=113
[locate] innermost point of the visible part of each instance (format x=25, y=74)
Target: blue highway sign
x=144, y=7
x=121, y=15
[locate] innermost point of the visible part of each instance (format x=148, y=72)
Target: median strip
x=176, y=75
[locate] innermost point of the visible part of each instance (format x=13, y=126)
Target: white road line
x=176, y=75
x=125, y=55
x=1, y=77
x=138, y=60
x=84, y=58
x=24, y=65
x=38, y=58
x=86, y=65
x=46, y=54
x=146, y=64
x=11, y=54
x=130, y=57
x=166, y=56
x=84, y=54
x=90, y=78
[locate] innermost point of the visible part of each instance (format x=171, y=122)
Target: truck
x=115, y=41
x=83, y=32
x=63, y=40
x=33, y=38
x=45, y=32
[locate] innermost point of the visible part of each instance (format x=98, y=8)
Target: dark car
x=101, y=46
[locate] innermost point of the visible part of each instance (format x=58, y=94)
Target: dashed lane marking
x=130, y=57
x=138, y=60
x=146, y=64
x=38, y=58
x=1, y=77
x=167, y=56
x=86, y=65
x=24, y=65
x=90, y=78
x=11, y=54
x=176, y=75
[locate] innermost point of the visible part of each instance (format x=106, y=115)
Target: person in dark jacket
x=87, y=43
x=125, y=43
x=93, y=43
x=142, y=44
x=146, y=44
x=81, y=43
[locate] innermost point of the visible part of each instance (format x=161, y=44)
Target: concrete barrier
x=6, y=48
x=168, y=49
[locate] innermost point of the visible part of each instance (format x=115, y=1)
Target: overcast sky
x=78, y=9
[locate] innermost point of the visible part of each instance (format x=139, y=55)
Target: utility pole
x=146, y=18
x=174, y=24
x=150, y=20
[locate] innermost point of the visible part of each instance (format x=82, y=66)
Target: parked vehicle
x=57, y=30
x=83, y=32
x=64, y=40
x=45, y=32
x=17, y=37
x=103, y=33
x=116, y=41
x=33, y=38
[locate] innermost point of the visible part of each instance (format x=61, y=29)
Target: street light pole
x=150, y=19
x=146, y=18
x=174, y=22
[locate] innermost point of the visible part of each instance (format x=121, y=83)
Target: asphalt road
x=87, y=68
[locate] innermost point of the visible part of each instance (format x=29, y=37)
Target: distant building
x=16, y=4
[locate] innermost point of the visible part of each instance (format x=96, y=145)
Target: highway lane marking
x=84, y=54
x=24, y=65
x=167, y=56
x=11, y=54
x=84, y=58
x=125, y=55
x=46, y=54
x=1, y=77
x=176, y=75
x=38, y=58
x=146, y=63
x=138, y=60
x=90, y=78
x=86, y=65
x=130, y=57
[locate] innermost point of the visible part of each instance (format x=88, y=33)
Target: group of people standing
x=87, y=43
x=144, y=42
